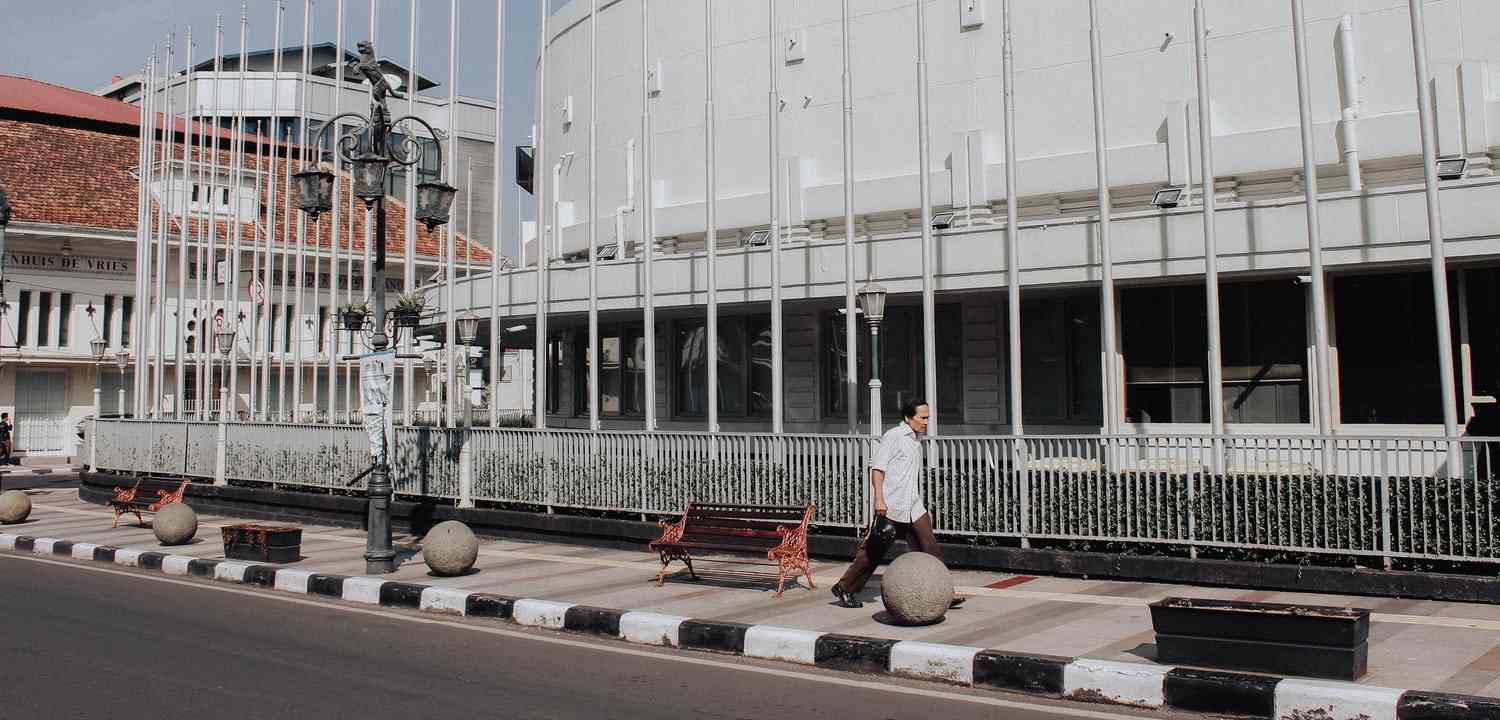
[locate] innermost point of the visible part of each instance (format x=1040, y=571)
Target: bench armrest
x=671, y=531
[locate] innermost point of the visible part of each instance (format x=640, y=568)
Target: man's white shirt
x=899, y=456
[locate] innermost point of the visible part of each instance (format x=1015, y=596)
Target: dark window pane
x=127, y=316
x=64, y=318
x=1388, y=366
x=43, y=318
x=23, y=318
x=109, y=317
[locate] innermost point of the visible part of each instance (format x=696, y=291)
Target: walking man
x=895, y=478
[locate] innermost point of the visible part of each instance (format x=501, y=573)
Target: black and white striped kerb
x=1084, y=679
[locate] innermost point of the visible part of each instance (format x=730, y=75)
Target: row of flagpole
x=160, y=117
x=1112, y=371
x=164, y=202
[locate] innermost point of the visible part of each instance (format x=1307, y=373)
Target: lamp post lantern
x=369, y=148
x=122, y=361
x=224, y=341
x=872, y=304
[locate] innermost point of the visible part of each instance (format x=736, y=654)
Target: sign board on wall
x=82, y=264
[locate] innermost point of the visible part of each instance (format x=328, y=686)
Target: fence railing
x=1389, y=497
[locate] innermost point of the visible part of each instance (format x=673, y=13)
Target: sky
x=83, y=43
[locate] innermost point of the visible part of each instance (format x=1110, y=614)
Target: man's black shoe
x=846, y=599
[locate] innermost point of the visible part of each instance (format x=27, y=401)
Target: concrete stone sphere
x=15, y=506
x=916, y=589
x=175, y=524
x=450, y=548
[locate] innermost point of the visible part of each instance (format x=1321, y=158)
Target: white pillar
x=710, y=204
x=778, y=332
x=648, y=220
x=451, y=273
x=1012, y=236
x=496, y=325
x=1435, y=229
x=1210, y=248
x=538, y=188
x=593, y=352
x=1112, y=404
x=1323, y=404
x=924, y=170
x=851, y=323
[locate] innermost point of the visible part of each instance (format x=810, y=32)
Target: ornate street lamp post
x=369, y=149
x=872, y=304
x=97, y=346
x=224, y=340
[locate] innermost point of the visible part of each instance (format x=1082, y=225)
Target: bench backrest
x=748, y=525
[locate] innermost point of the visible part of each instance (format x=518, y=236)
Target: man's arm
x=877, y=482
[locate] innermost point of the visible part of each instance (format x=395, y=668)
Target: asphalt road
x=81, y=643
x=17, y=477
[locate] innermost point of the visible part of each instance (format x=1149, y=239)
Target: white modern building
x=1371, y=200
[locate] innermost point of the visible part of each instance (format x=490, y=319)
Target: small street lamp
x=122, y=361
x=224, y=341
x=370, y=149
x=97, y=346
x=872, y=304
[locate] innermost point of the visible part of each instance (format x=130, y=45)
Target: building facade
x=70, y=168
x=1384, y=366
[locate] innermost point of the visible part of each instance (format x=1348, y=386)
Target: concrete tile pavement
x=1453, y=647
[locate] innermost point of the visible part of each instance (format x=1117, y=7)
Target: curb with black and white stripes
x=1100, y=681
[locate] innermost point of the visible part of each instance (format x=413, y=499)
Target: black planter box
x=265, y=543
x=1308, y=640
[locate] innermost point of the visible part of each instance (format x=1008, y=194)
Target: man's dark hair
x=909, y=410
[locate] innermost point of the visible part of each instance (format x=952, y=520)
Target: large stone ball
x=450, y=548
x=15, y=506
x=175, y=524
x=916, y=589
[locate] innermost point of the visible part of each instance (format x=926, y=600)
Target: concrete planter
x=265, y=543
x=1312, y=641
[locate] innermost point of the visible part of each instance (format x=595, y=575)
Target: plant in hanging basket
x=353, y=315
x=408, y=310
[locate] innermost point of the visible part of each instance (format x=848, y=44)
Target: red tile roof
x=62, y=172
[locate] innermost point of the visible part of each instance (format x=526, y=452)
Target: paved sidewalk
x=1448, y=647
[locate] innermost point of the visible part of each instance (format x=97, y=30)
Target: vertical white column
x=269, y=284
x=593, y=352
x=851, y=323
x=1435, y=228
x=1210, y=246
x=1112, y=404
x=773, y=107
x=408, y=251
x=298, y=319
x=209, y=272
x=232, y=283
x=179, y=344
x=1323, y=419
x=451, y=372
x=1012, y=240
x=335, y=222
x=158, y=351
x=710, y=204
x=143, y=235
x=496, y=325
x=538, y=188
x=288, y=319
x=648, y=218
x=924, y=169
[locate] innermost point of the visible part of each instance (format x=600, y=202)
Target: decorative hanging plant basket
x=408, y=310
x=353, y=316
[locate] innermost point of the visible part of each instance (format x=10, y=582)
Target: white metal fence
x=1375, y=496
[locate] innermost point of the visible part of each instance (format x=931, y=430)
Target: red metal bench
x=778, y=531
x=133, y=502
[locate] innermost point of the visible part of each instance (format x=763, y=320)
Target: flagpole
x=593, y=352
x=268, y=285
x=778, y=410
x=1112, y=405
x=408, y=252
x=851, y=323
x=538, y=188
x=1210, y=246
x=143, y=234
x=184, y=215
x=1012, y=242
x=301, y=266
x=648, y=222
x=232, y=283
x=496, y=325
x=710, y=204
x=335, y=221
x=924, y=183
x=158, y=396
x=451, y=329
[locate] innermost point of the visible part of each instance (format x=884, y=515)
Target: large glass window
x=622, y=367
x=1164, y=337
x=744, y=357
x=1061, y=379
x=1388, y=364
x=902, y=370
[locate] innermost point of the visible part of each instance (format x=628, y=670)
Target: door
x=41, y=411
